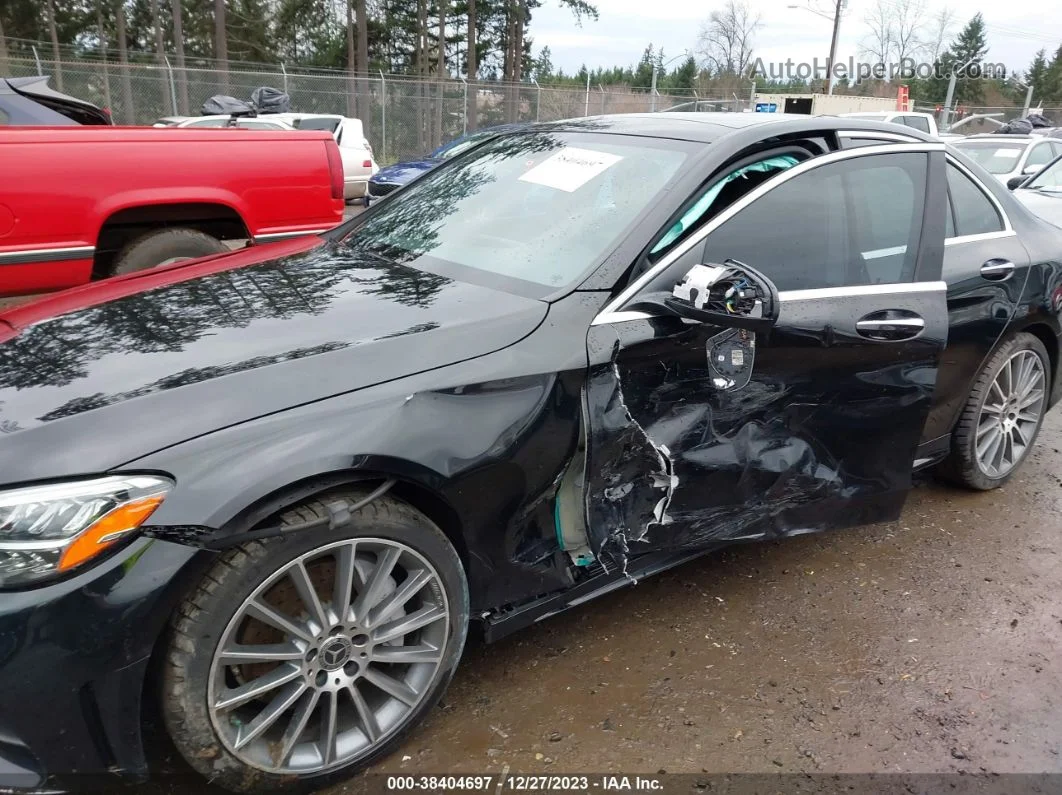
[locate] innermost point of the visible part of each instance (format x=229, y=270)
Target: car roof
x=712, y=126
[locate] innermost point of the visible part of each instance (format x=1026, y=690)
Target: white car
x=358, y=161
x=1010, y=158
x=915, y=120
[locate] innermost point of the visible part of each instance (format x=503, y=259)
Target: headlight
x=46, y=530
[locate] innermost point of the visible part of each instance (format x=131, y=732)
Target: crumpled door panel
x=822, y=435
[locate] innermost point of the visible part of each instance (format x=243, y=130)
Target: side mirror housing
x=732, y=295
x=1030, y=170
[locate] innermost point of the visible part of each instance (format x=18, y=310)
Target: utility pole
x=833, y=43
x=946, y=121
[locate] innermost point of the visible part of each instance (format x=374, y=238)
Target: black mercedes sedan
x=268, y=493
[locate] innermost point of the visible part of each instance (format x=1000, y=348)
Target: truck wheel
x=299, y=660
x=1002, y=416
x=164, y=246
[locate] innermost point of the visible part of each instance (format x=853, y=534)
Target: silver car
x=1010, y=158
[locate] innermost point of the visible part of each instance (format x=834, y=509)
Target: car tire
x=964, y=466
x=163, y=247
x=198, y=677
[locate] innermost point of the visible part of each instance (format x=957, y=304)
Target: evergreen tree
x=965, y=54
x=1051, y=90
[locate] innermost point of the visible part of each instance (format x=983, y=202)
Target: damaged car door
x=771, y=375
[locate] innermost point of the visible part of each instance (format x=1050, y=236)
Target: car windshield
x=539, y=207
x=1048, y=180
x=998, y=157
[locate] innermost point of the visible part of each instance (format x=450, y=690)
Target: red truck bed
x=73, y=199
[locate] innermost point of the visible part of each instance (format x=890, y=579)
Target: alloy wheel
x=1010, y=414
x=329, y=657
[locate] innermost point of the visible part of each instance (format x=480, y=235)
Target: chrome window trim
x=959, y=240
x=1007, y=229
x=922, y=147
x=795, y=296
x=875, y=135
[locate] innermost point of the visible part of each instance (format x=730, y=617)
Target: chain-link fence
x=403, y=116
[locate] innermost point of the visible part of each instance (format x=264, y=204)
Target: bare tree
x=362, y=54
x=440, y=73
x=53, y=33
x=726, y=38
x=352, y=61
x=128, y=111
x=473, y=68
x=909, y=30
x=221, y=43
x=940, y=29
x=879, y=42
x=101, y=32
x=160, y=50
x=178, y=42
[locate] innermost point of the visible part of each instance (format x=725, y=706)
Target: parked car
x=923, y=122
x=580, y=354
x=1042, y=192
x=391, y=178
x=93, y=202
x=354, y=148
x=245, y=122
x=30, y=101
x=359, y=163
x=1010, y=158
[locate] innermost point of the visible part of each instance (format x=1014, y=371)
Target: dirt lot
x=927, y=645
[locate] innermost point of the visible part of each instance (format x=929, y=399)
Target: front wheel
x=300, y=660
x=1002, y=415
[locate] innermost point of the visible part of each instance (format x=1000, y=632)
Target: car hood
x=104, y=384
x=401, y=173
x=1047, y=206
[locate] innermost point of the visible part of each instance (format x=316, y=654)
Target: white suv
x=358, y=161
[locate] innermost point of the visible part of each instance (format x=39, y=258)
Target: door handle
x=889, y=325
x=997, y=270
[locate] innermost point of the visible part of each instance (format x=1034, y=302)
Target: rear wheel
x=301, y=660
x=1002, y=416
x=164, y=247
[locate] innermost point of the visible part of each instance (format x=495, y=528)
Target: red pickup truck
x=82, y=203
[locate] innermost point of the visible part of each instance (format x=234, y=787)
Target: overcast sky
x=1015, y=30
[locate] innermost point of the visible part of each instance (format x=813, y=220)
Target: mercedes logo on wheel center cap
x=335, y=654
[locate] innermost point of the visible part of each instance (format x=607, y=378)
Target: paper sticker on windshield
x=1008, y=152
x=570, y=168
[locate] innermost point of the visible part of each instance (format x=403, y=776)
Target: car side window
x=973, y=211
x=918, y=122
x=856, y=222
x=209, y=123
x=1040, y=155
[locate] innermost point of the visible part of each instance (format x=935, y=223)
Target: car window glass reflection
x=540, y=207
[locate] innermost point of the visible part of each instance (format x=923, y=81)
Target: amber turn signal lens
x=107, y=530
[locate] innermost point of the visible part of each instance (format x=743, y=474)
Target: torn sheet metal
x=798, y=431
